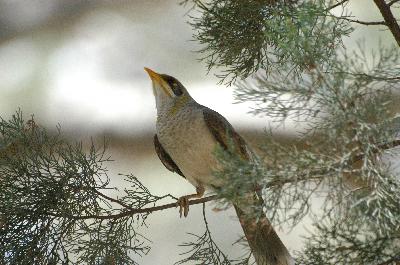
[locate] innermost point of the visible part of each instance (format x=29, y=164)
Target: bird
x=187, y=134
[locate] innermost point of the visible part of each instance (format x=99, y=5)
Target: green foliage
x=339, y=160
x=53, y=209
x=353, y=77
x=349, y=243
x=109, y=242
x=233, y=169
x=345, y=103
x=243, y=37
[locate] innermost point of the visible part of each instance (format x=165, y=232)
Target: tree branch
x=390, y=20
x=141, y=210
x=365, y=23
x=113, y=200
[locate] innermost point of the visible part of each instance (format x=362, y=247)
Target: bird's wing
x=265, y=244
x=224, y=133
x=165, y=158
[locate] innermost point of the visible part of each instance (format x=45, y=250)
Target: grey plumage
x=187, y=135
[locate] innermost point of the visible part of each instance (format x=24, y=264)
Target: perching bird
x=186, y=139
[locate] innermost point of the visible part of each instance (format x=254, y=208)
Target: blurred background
x=80, y=64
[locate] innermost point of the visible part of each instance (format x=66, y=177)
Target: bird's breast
x=186, y=138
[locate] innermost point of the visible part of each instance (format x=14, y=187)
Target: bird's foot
x=183, y=203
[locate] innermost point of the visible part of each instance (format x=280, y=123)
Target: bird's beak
x=158, y=81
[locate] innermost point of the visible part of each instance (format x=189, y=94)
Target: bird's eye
x=174, y=84
x=176, y=88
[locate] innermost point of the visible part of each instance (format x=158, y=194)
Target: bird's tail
x=265, y=244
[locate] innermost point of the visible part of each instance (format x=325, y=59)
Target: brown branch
x=113, y=200
x=138, y=211
x=390, y=20
x=365, y=23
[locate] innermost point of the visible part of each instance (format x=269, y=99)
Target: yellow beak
x=157, y=79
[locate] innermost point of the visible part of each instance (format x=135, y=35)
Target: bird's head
x=170, y=94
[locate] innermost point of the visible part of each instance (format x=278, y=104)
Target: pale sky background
x=87, y=72
x=80, y=64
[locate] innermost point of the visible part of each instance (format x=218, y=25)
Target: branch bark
x=132, y=211
x=390, y=20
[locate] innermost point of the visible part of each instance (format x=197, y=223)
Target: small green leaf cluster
x=53, y=208
x=243, y=37
x=349, y=243
x=341, y=159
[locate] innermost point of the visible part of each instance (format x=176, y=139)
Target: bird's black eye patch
x=175, y=85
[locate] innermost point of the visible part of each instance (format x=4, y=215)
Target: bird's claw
x=183, y=203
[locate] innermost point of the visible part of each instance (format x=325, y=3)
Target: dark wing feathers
x=223, y=132
x=259, y=233
x=165, y=158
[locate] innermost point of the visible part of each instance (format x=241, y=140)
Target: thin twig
x=336, y=5
x=390, y=20
x=113, y=200
x=393, y=2
x=370, y=76
x=365, y=23
x=204, y=216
